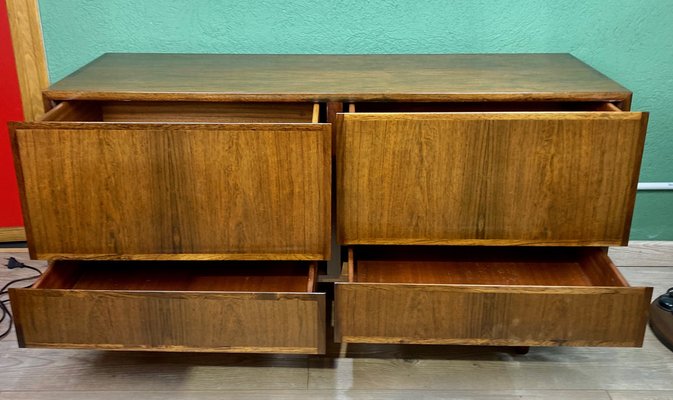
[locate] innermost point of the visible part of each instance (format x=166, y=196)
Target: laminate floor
x=353, y=372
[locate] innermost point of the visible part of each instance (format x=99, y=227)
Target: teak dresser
x=186, y=203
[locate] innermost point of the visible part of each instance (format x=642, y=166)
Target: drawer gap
x=383, y=107
x=182, y=111
x=519, y=266
x=203, y=276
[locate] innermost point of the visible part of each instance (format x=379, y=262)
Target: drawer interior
x=184, y=276
x=511, y=266
x=183, y=111
x=384, y=107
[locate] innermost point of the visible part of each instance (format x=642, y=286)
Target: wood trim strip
x=638, y=154
x=12, y=234
x=504, y=289
x=333, y=97
x=18, y=167
x=610, y=107
x=312, y=275
x=479, y=242
x=496, y=115
x=321, y=324
x=31, y=64
x=233, y=349
x=184, y=256
x=292, y=126
x=483, y=342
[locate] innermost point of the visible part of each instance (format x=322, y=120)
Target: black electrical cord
x=5, y=312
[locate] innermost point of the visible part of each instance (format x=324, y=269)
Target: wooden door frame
x=31, y=68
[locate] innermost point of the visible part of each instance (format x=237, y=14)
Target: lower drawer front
x=573, y=301
x=197, y=310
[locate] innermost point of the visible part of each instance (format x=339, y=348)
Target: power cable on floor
x=5, y=312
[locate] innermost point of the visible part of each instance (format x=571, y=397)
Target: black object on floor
x=661, y=318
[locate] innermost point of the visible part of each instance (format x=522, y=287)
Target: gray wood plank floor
x=353, y=372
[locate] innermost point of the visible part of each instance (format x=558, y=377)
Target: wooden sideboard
x=187, y=203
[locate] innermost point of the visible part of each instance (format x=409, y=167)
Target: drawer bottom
x=174, y=306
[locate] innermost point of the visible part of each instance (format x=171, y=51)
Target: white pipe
x=655, y=186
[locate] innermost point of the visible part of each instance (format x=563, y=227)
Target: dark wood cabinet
x=186, y=200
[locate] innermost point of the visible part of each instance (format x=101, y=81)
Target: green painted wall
x=630, y=41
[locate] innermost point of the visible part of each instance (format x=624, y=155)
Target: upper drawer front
x=538, y=178
x=161, y=191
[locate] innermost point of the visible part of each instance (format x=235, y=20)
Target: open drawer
x=251, y=306
x=488, y=296
x=164, y=180
x=544, y=174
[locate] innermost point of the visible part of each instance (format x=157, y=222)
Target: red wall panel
x=10, y=110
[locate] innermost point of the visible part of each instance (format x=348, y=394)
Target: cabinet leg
x=520, y=350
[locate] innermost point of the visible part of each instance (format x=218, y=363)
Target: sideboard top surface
x=230, y=77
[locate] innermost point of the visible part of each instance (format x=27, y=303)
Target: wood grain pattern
x=312, y=281
x=488, y=315
x=484, y=106
x=448, y=77
x=351, y=371
x=332, y=109
x=488, y=178
x=248, y=191
x=171, y=307
x=134, y=111
x=31, y=64
x=12, y=234
x=137, y=320
x=482, y=266
x=600, y=269
x=201, y=276
x=493, y=297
